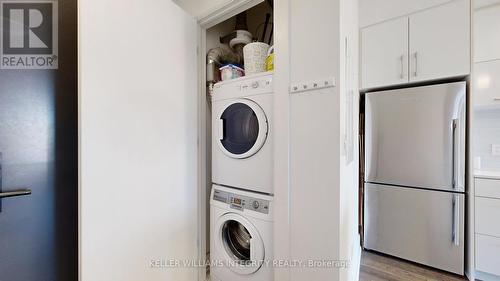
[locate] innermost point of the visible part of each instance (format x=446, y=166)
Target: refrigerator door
x=422, y=226
x=416, y=137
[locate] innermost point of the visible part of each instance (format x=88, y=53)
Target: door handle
x=221, y=129
x=15, y=193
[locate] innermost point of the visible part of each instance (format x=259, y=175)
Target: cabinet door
x=384, y=53
x=487, y=85
x=486, y=34
x=440, y=42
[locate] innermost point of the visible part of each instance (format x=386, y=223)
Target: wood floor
x=375, y=267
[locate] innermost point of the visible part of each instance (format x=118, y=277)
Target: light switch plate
x=495, y=149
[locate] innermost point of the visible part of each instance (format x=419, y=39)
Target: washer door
x=240, y=243
x=243, y=129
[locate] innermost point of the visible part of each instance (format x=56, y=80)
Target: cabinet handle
x=402, y=76
x=496, y=98
x=415, y=55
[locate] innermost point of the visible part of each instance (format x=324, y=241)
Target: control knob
x=256, y=204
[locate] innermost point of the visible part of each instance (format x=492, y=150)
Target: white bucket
x=254, y=56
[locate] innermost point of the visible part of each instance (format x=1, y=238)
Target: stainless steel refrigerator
x=415, y=174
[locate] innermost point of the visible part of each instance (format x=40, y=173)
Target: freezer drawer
x=416, y=137
x=422, y=226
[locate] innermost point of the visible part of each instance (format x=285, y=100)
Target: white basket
x=254, y=55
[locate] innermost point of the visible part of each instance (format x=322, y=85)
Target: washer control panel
x=241, y=203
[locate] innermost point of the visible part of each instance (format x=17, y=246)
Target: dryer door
x=243, y=128
x=240, y=243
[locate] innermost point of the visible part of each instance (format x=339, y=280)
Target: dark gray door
x=39, y=150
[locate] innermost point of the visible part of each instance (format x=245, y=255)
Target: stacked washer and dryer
x=241, y=202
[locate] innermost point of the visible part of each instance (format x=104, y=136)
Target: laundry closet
x=239, y=142
x=148, y=140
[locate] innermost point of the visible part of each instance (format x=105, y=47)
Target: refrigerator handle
x=456, y=220
x=454, y=154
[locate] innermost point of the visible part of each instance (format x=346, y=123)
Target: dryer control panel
x=263, y=83
x=241, y=203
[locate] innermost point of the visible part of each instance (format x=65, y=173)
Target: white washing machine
x=242, y=149
x=241, y=233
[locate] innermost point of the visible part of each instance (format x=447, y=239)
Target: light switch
x=495, y=149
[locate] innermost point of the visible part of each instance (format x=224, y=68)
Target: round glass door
x=236, y=239
x=243, y=129
x=240, y=244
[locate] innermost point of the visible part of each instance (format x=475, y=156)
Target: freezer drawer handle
x=402, y=75
x=456, y=221
x=415, y=55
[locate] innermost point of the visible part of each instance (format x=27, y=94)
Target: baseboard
x=486, y=277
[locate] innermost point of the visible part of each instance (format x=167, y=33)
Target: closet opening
x=238, y=58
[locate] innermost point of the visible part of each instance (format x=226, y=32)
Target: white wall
x=486, y=133
x=138, y=133
x=314, y=139
x=323, y=189
x=281, y=141
x=350, y=248
x=374, y=11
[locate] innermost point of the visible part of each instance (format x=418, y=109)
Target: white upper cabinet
x=428, y=45
x=487, y=85
x=440, y=42
x=385, y=53
x=487, y=33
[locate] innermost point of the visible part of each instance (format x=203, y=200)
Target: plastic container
x=270, y=59
x=254, y=56
x=231, y=71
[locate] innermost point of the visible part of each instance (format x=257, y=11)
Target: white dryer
x=242, y=149
x=241, y=235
